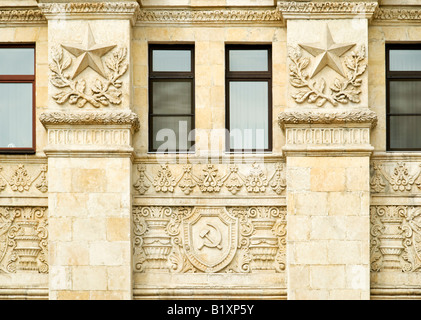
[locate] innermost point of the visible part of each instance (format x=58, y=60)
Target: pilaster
x=89, y=126
x=327, y=124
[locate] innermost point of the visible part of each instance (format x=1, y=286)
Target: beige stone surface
x=342, y=207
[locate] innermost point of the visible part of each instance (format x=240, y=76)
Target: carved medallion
x=210, y=238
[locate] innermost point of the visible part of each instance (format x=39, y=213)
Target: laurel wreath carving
x=314, y=91
x=100, y=93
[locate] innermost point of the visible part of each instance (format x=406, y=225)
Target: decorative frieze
x=19, y=179
x=395, y=177
x=208, y=16
x=397, y=15
x=23, y=239
x=209, y=239
x=326, y=9
x=395, y=238
x=78, y=10
x=210, y=179
x=22, y=15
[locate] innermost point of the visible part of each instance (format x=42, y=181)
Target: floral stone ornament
x=327, y=53
x=88, y=54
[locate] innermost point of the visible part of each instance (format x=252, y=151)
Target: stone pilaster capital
x=57, y=118
x=121, y=10
x=90, y=134
x=360, y=116
x=328, y=133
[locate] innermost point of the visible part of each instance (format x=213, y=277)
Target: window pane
x=17, y=61
x=171, y=97
x=405, y=96
x=405, y=60
x=405, y=132
x=15, y=115
x=171, y=133
x=171, y=61
x=249, y=115
x=248, y=60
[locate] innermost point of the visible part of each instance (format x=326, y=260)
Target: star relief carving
x=88, y=54
x=327, y=53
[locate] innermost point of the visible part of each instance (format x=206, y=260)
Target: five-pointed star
x=327, y=53
x=88, y=54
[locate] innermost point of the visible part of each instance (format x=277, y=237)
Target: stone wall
x=94, y=215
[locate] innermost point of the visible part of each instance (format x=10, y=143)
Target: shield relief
x=210, y=238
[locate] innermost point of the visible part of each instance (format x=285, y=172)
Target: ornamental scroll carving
x=88, y=7
x=209, y=239
x=388, y=15
x=399, y=177
x=211, y=16
x=102, y=92
x=19, y=179
x=209, y=179
x=22, y=16
x=23, y=239
x=395, y=238
x=337, y=7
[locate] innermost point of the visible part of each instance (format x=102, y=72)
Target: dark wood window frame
x=22, y=79
x=264, y=76
x=401, y=76
x=155, y=76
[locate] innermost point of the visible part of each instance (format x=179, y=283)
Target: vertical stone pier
x=327, y=125
x=90, y=125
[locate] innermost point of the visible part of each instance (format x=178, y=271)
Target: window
x=403, y=103
x=248, y=98
x=17, y=98
x=171, y=98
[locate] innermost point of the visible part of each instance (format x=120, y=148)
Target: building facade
x=210, y=149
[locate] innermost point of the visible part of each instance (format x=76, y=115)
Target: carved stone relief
x=19, y=179
x=103, y=92
x=395, y=238
x=208, y=179
x=398, y=177
x=327, y=53
x=210, y=16
x=23, y=239
x=209, y=239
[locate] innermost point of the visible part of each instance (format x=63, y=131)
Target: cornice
x=208, y=15
x=326, y=10
x=339, y=117
x=95, y=10
x=91, y=118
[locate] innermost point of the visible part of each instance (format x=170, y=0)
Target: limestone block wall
x=148, y=226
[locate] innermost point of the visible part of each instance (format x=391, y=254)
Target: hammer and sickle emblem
x=211, y=237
